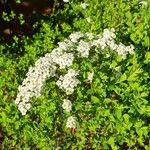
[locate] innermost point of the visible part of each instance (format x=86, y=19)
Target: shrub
x=110, y=93
x=109, y=107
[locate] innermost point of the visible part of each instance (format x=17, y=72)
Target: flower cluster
x=71, y=122
x=67, y=105
x=74, y=37
x=61, y=58
x=84, y=48
x=124, y=50
x=33, y=83
x=68, y=82
x=108, y=40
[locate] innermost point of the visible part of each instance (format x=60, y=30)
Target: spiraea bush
x=76, y=84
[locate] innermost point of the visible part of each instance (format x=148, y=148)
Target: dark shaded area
x=1, y=135
x=32, y=10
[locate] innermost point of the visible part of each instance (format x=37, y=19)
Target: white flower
x=22, y=108
x=32, y=85
x=112, y=45
x=69, y=91
x=101, y=43
x=130, y=49
x=90, y=36
x=68, y=82
x=23, y=111
x=28, y=106
x=88, y=19
x=121, y=49
x=83, y=48
x=74, y=37
x=143, y=3
x=90, y=76
x=63, y=59
x=17, y=100
x=84, y=5
x=109, y=34
x=63, y=45
x=67, y=105
x=71, y=122
x=108, y=40
x=66, y=1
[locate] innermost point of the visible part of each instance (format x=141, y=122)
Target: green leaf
x=147, y=41
x=122, y=78
x=118, y=113
x=143, y=131
x=94, y=99
x=111, y=141
x=113, y=64
x=147, y=57
x=126, y=118
x=80, y=95
x=134, y=74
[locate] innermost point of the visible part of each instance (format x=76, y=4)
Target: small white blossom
x=22, y=108
x=71, y=122
x=66, y=1
x=90, y=36
x=63, y=59
x=84, y=5
x=130, y=49
x=121, y=50
x=90, y=76
x=144, y=3
x=69, y=91
x=88, y=19
x=63, y=45
x=68, y=82
x=28, y=106
x=112, y=45
x=109, y=34
x=74, y=37
x=67, y=105
x=83, y=48
x=101, y=43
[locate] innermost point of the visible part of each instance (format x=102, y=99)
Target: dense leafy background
x=113, y=114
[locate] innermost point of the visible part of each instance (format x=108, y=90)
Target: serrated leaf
x=134, y=74
x=122, y=78
x=143, y=131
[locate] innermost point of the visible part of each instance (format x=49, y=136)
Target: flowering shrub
x=96, y=92
x=46, y=66
x=91, y=91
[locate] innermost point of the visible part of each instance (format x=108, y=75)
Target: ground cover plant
x=81, y=81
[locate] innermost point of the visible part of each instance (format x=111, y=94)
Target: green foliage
x=130, y=18
x=8, y=17
x=112, y=113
